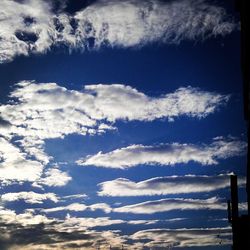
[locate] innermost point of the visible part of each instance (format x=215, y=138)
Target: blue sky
x=120, y=123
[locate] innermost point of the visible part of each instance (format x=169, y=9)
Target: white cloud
x=34, y=147
x=29, y=197
x=79, y=207
x=142, y=222
x=166, y=185
x=167, y=154
x=72, y=207
x=30, y=26
x=100, y=206
x=33, y=116
x=79, y=235
x=193, y=237
x=165, y=205
x=53, y=177
x=75, y=196
x=118, y=101
x=71, y=224
x=27, y=218
x=15, y=165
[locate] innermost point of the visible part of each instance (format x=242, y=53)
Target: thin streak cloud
x=168, y=154
x=170, y=204
x=167, y=185
x=185, y=237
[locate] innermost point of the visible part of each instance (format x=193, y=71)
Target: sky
x=120, y=124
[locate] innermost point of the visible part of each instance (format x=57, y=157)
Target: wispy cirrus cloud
x=33, y=116
x=167, y=154
x=166, y=185
x=31, y=27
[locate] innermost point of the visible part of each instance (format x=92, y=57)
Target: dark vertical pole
x=243, y=7
x=235, y=212
x=248, y=169
x=229, y=211
x=234, y=196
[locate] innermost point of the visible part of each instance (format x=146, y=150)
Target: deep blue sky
x=211, y=65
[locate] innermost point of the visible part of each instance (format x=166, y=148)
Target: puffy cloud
x=77, y=232
x=76, y=111
x=33, y=116
x=25, y=27
x=165, y=205
x=15, y=165
x=79, y=207
x=193, y=237
x=24, y=219
x=88, y=240
x=31, y=27
x=166, y=185
x=41, y=232
x=29, y=197
x=118, y=101
x=167, y=154
x=53, y=177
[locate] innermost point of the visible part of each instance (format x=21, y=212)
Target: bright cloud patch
x=29, y=197
x=53, y=177
x=33, y=116
x=71, y=224
x=193, y=237
x=166, y=185
x=30, y=26
x=24, y=219
x=79, y=207
x=16, y=165
x=165, y=205
x=167, y=154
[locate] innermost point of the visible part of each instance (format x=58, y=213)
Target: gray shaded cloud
x=4, y=123
x=193, y=237
x=170, y=204
x=31, y=26
x=28, y=231
x=166, y=185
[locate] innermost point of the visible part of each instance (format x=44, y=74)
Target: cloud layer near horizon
x=31, y=26
x=75, y=232
x=192, y=237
